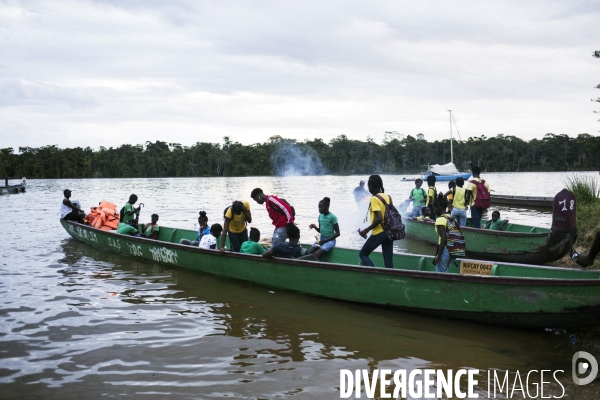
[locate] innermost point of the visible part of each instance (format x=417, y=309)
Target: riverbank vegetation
x=587, y=194
x=397, y=154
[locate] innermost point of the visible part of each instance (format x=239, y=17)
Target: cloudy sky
x=104, y=73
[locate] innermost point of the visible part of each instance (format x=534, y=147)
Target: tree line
x=397, y=154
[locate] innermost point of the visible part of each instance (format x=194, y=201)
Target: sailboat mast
x=451, y=151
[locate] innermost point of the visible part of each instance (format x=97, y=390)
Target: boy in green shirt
x=496, y=224
x=252, y=246
x=418, y=197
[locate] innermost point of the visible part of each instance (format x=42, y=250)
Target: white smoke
x=290, y=159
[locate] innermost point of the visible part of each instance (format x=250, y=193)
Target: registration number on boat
x=476, y=268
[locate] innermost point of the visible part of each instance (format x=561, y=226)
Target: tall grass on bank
x=587, y=194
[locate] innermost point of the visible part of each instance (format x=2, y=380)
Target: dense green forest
x=397, y=154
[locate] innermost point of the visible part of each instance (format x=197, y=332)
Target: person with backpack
x=418, y=197
x=128, y=212
x=377, y=208
x=431, y=194
x=451, y=239
x=280, y=212
x=236, y=217
x=459, y=205
x=478, y=196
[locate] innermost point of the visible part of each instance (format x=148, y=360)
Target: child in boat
x=431, y=194
x=328, y=228
x=450, y=195
x=418, y=197
x=203, y=229
x=426, y=215
x=496, y=224
x=236, y=217
x=285, y=249
x=451, y=242
x=459, y=206
x=252, y=246
x=150, y=230
x=210, y=241
x=129, y=212
x=379, y=201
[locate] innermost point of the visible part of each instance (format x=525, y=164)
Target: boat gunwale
x=489, y=231
x=521, y=281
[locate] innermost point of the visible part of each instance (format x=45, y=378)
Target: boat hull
x=512, y=247
x=570, y=299
x=522, y=201
x=449, y=177
x=12, y=189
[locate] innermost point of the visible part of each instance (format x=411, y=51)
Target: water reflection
x=79, y=322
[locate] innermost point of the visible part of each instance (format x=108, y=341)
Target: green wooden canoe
x=513, y=295
x=518, y=243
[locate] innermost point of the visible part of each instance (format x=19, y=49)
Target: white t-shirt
x=208, y=242
x=64, y=209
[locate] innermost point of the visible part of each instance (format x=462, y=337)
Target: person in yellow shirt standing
x=236, y=218
x=431, y=194
x=459, y=205
x=377, y=206
x=478, y=196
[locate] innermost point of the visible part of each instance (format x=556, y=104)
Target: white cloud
x=83, y=73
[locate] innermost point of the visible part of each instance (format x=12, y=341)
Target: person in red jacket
x=279, y=211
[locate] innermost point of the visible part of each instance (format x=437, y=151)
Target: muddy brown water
x=78, y=322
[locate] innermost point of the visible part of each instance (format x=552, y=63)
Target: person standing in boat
x=280, y=212
x=70, y=211
x=431, y=194
x=378, y=236
x=236, y=218
x=418, y=197
x=459, y=207
x=451, y=239
x=477, y=187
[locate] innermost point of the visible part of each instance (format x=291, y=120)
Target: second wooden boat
x=518, y=243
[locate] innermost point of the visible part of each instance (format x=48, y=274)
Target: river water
x=77, y=322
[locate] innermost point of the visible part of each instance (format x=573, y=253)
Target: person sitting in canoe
x=252, y=246
x=210, y=241
x=431, y=194
x=425, y=214
x=285, y=249
x=236, y=218
x=129, y=213
x=328, y=228
x=280, y=212
x=203, y=229
x=150, y=230
x=418, y=197
x=496, y=224
x=451, y=239
x=585, y=260
x=459, y=205
x=70, y=211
